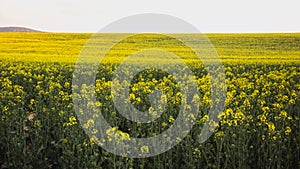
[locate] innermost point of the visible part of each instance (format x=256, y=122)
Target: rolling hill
x=17, y=29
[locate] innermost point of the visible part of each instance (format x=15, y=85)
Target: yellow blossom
x=145, y=149
x=288, y=130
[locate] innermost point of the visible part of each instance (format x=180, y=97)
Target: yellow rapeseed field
x=259, y=127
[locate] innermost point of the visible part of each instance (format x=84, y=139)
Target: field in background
x=232, y=48
x=259, y=127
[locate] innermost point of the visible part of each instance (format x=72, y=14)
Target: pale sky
x=207, y=16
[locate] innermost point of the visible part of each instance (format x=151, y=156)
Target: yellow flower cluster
x=114, y=133
x=145, y=149
x=72, y=121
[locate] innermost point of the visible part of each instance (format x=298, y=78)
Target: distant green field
x=232, y=48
